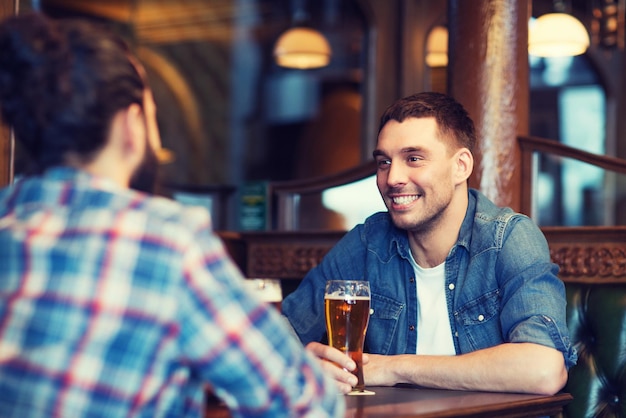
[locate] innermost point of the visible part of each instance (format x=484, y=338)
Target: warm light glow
x=302, y=48
x=557, y=35
x=437, y=47
x=165, y=156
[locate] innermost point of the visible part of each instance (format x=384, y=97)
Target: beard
x=145, y=177
x=425, y=219
x=424, y=223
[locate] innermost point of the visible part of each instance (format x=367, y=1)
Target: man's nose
x=396, y=174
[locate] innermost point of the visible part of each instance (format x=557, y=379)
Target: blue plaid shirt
x=116, y=304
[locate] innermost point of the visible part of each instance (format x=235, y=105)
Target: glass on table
x=268, y=290
x=347, y=307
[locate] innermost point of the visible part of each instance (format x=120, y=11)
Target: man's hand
x=379, y=370
x=336, y=364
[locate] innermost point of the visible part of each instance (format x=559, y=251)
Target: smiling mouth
x=404, y=200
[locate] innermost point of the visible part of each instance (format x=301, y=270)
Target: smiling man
x=464, y=295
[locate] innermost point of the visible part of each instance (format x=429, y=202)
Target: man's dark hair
x=61, y=83
x=452, y=119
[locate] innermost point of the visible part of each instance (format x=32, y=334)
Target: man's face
x=415, y=174
x=146, y=174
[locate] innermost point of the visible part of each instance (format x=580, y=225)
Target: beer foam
x=339, y=296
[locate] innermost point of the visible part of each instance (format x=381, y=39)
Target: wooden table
x=408, y=401
x=411, y=402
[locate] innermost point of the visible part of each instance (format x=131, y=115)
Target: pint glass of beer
x=347, y=304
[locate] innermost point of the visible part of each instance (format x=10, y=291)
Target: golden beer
x=346, y=322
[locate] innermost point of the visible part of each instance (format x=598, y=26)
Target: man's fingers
x=344, y=379
x=329, y=353
x=336, y=364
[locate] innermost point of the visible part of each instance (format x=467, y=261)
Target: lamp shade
x=302, y=48
x=557, y=35
x=437, y=47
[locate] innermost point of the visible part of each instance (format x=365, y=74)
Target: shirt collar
x=71, y=174
x=465, y=233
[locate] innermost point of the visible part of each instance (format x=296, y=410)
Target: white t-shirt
x=434, y=335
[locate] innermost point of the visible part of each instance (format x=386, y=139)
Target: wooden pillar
x=488, y=74
x=7, y=8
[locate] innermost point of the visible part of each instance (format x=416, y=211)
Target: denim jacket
x=500, y=284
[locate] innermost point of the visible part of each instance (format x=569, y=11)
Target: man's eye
x=414, y=159
x=383, y=163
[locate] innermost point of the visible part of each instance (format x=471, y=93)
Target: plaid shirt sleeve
x=242, y=346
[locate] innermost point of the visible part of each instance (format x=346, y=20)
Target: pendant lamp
x=302, y=48
x=557, y=35
x=437, y=47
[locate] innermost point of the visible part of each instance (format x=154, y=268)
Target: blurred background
x=234, y=119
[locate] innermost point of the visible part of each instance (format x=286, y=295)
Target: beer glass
x=347, y=305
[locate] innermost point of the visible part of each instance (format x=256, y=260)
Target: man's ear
x=464, y=165
x=134, y=130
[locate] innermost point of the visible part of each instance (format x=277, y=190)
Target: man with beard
x=463, y=293
x=113, y=302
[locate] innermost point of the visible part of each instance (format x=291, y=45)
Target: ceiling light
x=437, y=47
x=557, y=35
x=302, y=48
